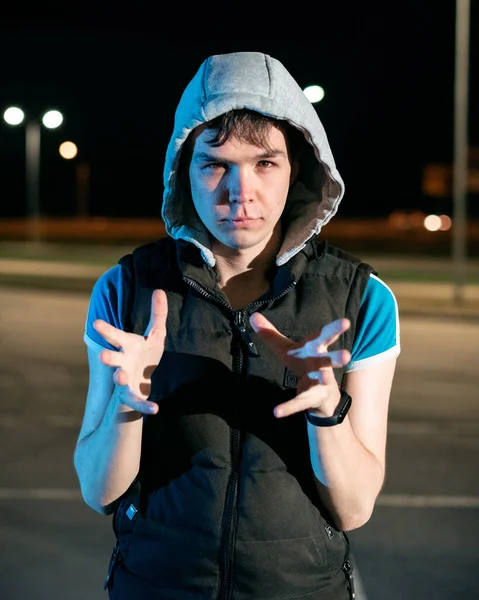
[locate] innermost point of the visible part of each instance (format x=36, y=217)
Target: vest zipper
x=230, y=513
x=239, y=315
x=245, y=336
x=348, y=570
x=228, y=525
x=348, y=567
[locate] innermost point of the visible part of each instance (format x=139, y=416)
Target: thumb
x=159, y=311
x=269, y=334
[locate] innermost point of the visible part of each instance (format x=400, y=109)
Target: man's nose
x=239, y=185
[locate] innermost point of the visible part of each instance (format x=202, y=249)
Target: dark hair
x=251, y=127
x=246, y=126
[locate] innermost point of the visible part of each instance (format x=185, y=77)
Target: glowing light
x=314, y=93
x=432, y=223
x=446, y=222
x=68, y=150
x=14, y=115
x=52, y=119
x=399, y=220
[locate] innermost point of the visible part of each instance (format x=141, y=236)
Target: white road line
x=409, y=501
x=424, y=428
x=63, y=421
x=9, y=421
x=59, y=421
x=393, y=500
x=39, y=494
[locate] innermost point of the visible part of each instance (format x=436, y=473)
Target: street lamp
x=461, y=103
x=51, y=119
x=314, y=93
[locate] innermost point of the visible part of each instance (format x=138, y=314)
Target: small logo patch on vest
x=131, y=511
x=329, y=531
x=290, y=379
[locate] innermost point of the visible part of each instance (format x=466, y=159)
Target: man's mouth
x=241, y=221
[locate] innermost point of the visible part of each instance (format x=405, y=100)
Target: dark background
x=388, y=111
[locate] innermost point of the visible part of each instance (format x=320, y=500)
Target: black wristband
x=337, y=417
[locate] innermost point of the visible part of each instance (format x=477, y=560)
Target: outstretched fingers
x=329, y=334
x=268, y=333
x=113, y=335
x=159, y=313
x=332, y=360
x=325, y=363
x=112, y=358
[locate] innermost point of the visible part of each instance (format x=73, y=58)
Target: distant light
x=314, y=93
x=446, y=222
x=417, y=219
x=432, y=223
x=14, y=115
x=52, y=119
x=399, y=220
x=68, y=150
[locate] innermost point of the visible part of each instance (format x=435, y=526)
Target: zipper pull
x=348, y=569
x=245, y=336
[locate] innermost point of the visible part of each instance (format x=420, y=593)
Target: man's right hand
x=139, y=356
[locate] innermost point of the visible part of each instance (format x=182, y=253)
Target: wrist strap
x=338, y=415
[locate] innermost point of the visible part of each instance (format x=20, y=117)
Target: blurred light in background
x=446, y=222
x=13, y=115
x=417, y=220
x=402, y=219
x=68, y=150
x=314, y=93
x=432, y=223
x=437, y=223
x=52, y=119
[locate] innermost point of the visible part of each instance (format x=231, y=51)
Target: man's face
x=239, y=190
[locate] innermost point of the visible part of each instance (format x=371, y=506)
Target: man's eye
x=264, y=164
x=214, y=166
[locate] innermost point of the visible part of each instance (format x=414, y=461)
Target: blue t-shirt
x=377, y=330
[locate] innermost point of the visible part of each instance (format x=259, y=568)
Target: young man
x=240, y=368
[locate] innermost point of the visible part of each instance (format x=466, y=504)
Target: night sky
x=388, y=109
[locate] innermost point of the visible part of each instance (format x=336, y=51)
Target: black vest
x=228, y=506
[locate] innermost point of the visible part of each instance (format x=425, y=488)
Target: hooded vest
x=225, y=504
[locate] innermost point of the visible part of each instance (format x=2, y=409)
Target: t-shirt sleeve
x=377, y=331
x=106, y=302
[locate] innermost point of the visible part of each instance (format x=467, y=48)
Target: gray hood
x=257, y=82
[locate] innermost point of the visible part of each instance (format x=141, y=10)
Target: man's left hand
x=311, y=361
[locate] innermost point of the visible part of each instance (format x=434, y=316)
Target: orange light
x=68, y=150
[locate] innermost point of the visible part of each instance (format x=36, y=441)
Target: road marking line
x=63, y=421
x=59, y=421
x=39, y=494
x=423, y=428
x=410, y=501
x=394, y=500
x=394, y=427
